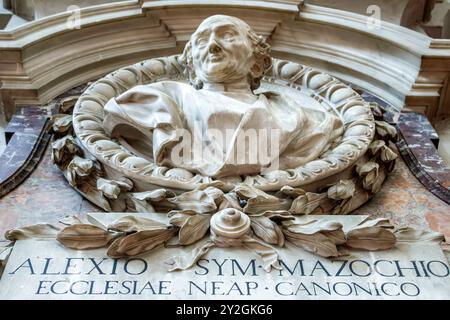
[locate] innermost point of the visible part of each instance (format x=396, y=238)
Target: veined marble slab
x=46, y=270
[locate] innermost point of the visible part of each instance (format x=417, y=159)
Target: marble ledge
x=419, y=139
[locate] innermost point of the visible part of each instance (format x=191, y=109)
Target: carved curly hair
x=261, y=52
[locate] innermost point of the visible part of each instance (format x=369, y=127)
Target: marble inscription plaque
x=46, y=270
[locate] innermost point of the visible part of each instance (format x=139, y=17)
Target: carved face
x=221, y=50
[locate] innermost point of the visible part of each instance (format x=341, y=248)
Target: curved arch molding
x=44, y=58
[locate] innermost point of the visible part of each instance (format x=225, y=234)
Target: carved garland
x=131, y=235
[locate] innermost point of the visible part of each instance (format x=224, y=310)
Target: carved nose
x=214, y=47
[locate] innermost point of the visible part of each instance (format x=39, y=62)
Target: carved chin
x=218, y=73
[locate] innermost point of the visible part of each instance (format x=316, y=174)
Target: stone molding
x=42, y=59
x=28, y=140
x=416, y=145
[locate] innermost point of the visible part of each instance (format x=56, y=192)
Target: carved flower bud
x=344, y=189
x=61, y=123
x=78, y=169
x=111, y=188
x=385, y=130
x=372, y=176
x=230, y=223
x=63, y=151
x=369, y=174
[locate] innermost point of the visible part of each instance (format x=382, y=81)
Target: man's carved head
x=225, y=49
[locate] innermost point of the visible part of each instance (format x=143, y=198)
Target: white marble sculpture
x=224, y=143
x=225, y=115
x=202, y=126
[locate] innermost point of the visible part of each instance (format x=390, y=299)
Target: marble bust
x=217, y=125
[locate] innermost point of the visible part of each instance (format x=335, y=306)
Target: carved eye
x=200, y=42
x=228, y=36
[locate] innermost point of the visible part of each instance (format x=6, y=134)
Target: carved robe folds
x=216, y=133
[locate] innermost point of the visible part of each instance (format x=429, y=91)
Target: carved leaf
x=36, y=231
x=187, y=260
x=308, y=203
x=142, y=201
x=259, y=201
x=215, y=194
x=376, y=146
x=140, y=242
x=292, y=192
x=79, y=168
x=376, y=186
x=390, y=166
x=198, y=200
x=344, y=189
x=376, y=110
x=268, y=254
x=179, y=217
x=337, y=236
x=68, y=103
x=108, y=189
x=62, y=123
x=267, y=230
x=82, y=167
x=278, y=215
x=112, y=188
x=63, y=151
x=133, y=223
x=371, y=238
x=378, y=222
x=368, y=168
x=316, y=243
x=387, y=155
x=230, y=200
x=194, y=228
x=84, y=236
x=155, y=195
x=317, y=236
x=312, y=227
x=70, y=220
x=372, y=177
x=385, y=130
x=216, y=184
x=414, y=235
x=342, y=207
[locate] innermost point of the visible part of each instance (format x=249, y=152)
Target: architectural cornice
x=42, y=59
x=54, y=25
x=274, y=6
